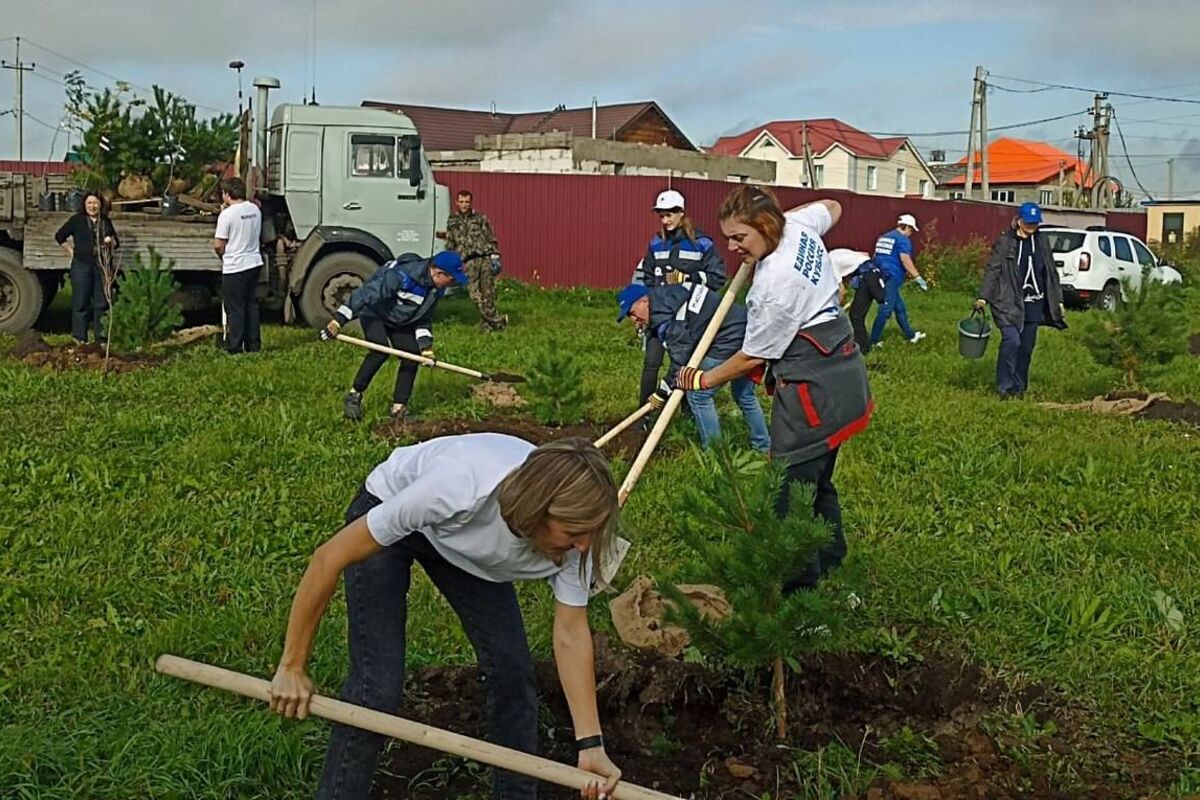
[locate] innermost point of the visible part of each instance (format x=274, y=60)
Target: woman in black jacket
x=1020, y=283
x=89, y=238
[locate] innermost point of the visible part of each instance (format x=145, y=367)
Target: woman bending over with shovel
x=477, y=512
x=796, y=329
x=396, y=305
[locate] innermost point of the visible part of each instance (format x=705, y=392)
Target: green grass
x=173, y=510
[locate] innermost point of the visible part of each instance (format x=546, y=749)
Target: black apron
x=821, y=393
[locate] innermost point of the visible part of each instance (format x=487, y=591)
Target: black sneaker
x=352, y=406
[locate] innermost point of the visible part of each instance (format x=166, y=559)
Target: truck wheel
x=20, y=294
x=330, y=284
x=1110, y=297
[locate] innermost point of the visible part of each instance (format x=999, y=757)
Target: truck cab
x=353, y=188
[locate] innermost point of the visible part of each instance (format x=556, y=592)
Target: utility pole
x=1170, y=179
x=19, y=112
x=984, y=184
x=971, y=129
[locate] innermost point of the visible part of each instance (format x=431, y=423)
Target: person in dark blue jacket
x=395, y=307
x=676, y=316
x=678, y=254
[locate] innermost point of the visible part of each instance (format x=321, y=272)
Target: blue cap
x=628, y=296
x=1031, y=214
x=450, y=263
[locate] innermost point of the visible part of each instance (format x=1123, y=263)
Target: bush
x=142, y=310
x=558, y=396
x=1150, y=327
x=958, y=267
x=1183, y=255
x=730, y=522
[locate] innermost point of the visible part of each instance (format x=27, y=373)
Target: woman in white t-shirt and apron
x=796, y=328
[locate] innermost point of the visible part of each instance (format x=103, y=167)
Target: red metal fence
x=591, y=230
x=36, y=168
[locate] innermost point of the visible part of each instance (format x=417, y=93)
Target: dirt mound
x=500, y=395
x=1194, y=344
x=32, y=350
x=1173, y=411
x=626, y=445
x=681, y=728
x=1139, y=405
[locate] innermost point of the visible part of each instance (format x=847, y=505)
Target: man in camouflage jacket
x=470, y=234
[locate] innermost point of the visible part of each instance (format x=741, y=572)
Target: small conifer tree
x=142, y=310
x=555, y=383
x=1149, y=327
x=743, y=546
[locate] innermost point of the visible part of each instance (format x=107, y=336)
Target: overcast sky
x=902, y=66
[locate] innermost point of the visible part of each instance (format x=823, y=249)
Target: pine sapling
x=555, y=383
x=1150, y=327
x=147, y=312
x=744, y=546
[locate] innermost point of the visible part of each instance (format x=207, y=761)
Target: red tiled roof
x=1017, y=161
x=37, y=168
x=822, y=134
x=456, y=129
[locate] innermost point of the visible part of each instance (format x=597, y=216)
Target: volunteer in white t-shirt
x=796, y=328
x=477, y=512
x=237, y=242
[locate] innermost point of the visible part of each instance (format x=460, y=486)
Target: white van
x=1093, y=263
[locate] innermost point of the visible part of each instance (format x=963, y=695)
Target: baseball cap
x=909, y=220
x=628, y=296
x=450, y=263
x=1031, y=214
x=668, y=200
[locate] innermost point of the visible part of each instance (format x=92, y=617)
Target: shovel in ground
x=406, y=730
x=621, y=426
x=495, y=377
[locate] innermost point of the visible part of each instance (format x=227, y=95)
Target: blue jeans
x=1012, y=363
x=704, y=409
x=893, y=301
x=377, y=605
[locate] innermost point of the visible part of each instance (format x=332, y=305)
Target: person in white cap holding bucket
x=678, y=253
x=894, y=256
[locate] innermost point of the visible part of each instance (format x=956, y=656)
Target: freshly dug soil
x=682, y=729
x=1173, y=411
x=1194, y=344
x=500, y=395
x=31, y=349
x=626, y=445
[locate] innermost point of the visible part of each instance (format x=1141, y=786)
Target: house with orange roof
x=830, y=154
x=1021, y=171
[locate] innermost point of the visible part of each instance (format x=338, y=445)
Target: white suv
x=1093, y=263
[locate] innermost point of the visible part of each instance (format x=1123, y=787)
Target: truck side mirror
x=413, y=145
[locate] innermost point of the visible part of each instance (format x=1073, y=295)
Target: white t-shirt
x=845, y=260
x=240, y=225
x=444, y=488
x=795, y=287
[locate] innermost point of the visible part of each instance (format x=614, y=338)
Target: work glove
x=496, y=266
x=330, y=331
x=659, y=398
x=675, y=277
x=922, y=284
x=690, y=379
x=980, y=304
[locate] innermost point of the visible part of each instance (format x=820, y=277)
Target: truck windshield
x=1065, y=241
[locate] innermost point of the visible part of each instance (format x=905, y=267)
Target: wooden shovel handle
x=407, y=356
x=623, y=424
x=407, y=730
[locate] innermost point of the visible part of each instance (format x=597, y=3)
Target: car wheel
x=1110, y=297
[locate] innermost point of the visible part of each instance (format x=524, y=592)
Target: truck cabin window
x=372, y=156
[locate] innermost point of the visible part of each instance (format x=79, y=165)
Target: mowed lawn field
x=173, y=509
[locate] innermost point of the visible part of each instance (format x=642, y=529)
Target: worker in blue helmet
x=395, y=307
x=1020, y=283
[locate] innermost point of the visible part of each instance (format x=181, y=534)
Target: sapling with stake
x=742, y=545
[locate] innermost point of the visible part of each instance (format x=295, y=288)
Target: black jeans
x=650, y=368
x=88, y=303
x=242, y=333
x=377, y=605
x=401, y=338
x=817, y=473
x=870, y=289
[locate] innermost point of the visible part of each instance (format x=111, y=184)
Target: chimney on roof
x=493, y=108
x=593, y=116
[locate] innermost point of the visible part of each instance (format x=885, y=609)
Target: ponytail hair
x=757, y=207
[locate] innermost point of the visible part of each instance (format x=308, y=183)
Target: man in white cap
x=894, y=257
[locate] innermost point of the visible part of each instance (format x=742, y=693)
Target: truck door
x=367, y=187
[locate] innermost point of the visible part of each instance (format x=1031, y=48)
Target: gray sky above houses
x=888, y=66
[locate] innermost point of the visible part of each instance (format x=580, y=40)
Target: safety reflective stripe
x=346, y=312
x=410, y=297
x=691, y=255
x=681, y=314
x=662, y=254
x=699, y=293
x=424, y=333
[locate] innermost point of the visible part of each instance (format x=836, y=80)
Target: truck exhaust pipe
x=263, y=86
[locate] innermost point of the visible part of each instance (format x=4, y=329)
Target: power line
x=990, y=128
x=43, y=123
x=1126, y=151
x=1110, y=92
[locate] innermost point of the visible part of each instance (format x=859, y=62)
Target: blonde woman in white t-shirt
x=796, y=328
